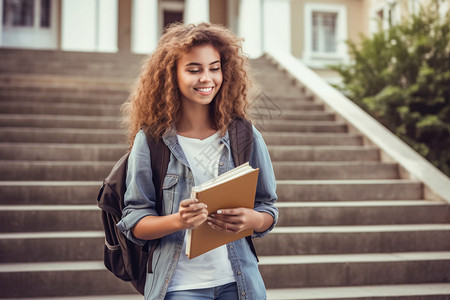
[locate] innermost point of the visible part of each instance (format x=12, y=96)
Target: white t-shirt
x=212, y=268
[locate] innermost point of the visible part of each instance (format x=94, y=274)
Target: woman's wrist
x=262, y=221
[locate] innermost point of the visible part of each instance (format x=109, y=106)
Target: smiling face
x=199, y=75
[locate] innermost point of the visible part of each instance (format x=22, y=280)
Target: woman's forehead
x=202, y=54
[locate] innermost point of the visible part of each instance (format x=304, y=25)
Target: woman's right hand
x=192, y=213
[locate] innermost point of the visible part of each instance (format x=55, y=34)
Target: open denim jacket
x=139, y=200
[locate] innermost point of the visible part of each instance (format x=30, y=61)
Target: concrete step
x=281, y=104
x=348, y=190
x=58, y=279
x=97, y=170
x=50, y=96
x=70, y=84
x=112, y=152
x=291, y=170
x=69, y=109
x=49, y=192
x=61, y=152
x=300, y=126
x=87, y=245
x=421, y=291
x=35, y=218
x=62, y=135
x=307, y=240
x=47, y=218
x=85, y=192
x=380, y=212
x=322, y=153
x=424, y=291
x=113, y=122
x=59, y=121
x=54, y=170
x=52, y=246
x=279, y=272
x=108, y=136
x=354, y=269
x=299, y=115
x=311, y=139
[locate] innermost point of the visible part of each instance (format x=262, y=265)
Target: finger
x=229, y=212
x=189, y=213
x=220, y=225
x=187, y=202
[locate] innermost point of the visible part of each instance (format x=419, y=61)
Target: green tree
x=401, y=76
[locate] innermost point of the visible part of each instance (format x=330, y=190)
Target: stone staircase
x=351, y=225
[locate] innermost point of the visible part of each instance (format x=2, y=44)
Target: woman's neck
x=195, y=123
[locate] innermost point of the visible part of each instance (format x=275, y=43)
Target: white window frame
x=392, y=15
x=320, y=59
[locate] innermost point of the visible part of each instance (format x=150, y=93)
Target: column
x=277, y=26
x=196, y=11
x=144, y=26
x=1, y=21
x=124, y=26
x=250, y=26
x=107, y=20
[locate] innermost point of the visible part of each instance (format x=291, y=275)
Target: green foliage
x=401, y=76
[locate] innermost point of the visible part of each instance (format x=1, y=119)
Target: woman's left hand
x=235, y=220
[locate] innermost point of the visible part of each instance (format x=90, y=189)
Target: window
x=45, y=13
x=18, y=13
x=325, y=34
x=22, y=13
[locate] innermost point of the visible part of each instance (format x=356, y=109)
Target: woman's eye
x=215, y=69
x=193, y=71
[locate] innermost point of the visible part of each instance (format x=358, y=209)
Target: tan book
x=235, y=188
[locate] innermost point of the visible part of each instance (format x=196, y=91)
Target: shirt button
x=221, y=164
x=239, y=272
x=231, y=246
x=243, y=293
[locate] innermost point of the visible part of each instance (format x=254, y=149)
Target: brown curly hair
x=155, y=100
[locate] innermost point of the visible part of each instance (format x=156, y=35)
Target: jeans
x=224, y=292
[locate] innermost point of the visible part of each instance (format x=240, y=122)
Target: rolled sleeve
x=265, y=196
x=140, y=193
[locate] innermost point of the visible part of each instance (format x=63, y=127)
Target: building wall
x=357, y=16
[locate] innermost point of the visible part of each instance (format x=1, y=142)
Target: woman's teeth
x=204, y=90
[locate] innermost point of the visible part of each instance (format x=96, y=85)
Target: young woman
x=189, y=91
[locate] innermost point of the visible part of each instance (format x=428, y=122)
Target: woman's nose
x=205, y=77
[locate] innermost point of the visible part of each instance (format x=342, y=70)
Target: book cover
x=235, y=188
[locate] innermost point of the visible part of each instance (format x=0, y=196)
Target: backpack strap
x=160, y=156
x=241, y=142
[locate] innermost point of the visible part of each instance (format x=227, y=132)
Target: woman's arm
x=191, y=214
x=140, y=221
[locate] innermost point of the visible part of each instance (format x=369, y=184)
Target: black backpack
x=125, y=259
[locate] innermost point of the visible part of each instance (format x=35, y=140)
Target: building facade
x=314, y=31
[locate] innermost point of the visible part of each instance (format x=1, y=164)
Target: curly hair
x=155, y=100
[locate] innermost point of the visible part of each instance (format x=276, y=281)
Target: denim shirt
x=139, y=201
